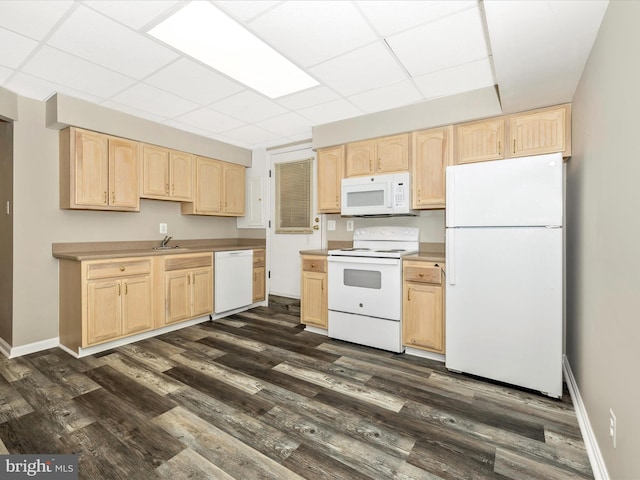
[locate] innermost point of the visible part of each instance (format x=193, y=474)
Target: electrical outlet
x=612, y=427
x=163, y=228
x=349, y=225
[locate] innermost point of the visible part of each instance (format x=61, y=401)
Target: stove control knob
x=361, y=305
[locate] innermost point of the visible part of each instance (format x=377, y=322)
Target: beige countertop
x=106, y=250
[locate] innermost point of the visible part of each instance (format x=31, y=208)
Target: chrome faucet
x=165, y=240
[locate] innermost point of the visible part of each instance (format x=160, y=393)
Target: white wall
x=603, y=264
x=38, y=222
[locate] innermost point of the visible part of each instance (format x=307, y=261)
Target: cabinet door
x=313, y=305
x=361, y=158
x=432, y=153
x=124, y=174
x=181, y=187
x=208, y=186
x=393, y=154
x=233, y=189
x=104, y=311
x=480, y=141
x=423, y=324
x=136, y=305
x=155, y=172
x=202, y=292
x=91, y=168
x=177, y=296
x=330, y=174
x=538, y=132
x=258, y=284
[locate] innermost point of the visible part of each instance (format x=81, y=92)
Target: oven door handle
x=367, y=260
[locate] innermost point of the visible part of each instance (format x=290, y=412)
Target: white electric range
x=365, y=286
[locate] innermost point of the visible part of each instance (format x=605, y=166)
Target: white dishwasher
x=233, y=283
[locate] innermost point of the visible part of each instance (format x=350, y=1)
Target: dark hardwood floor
x=255, y=396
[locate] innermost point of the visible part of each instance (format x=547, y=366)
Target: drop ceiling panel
x=110, y=44
x=251, y=135
x=360, y=70
x=331, y=111
x=35, y=18
x=444, y=43
x=389, y=96
x=463, y=78
x=209, y=120
x=133, y=13
x=311, y=32
x=308, y=98
x=393, y=17
x=5, y=73
x=133, y=111
x=245, y=10
x=19, y=50
x=33, y=87
x=249, y=107
x=60, y=67
x=153, y=100
x=286, y=125
x=194, y=82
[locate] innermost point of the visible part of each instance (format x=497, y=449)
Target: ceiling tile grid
x=367, y=55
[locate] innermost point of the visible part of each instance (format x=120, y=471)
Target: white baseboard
x=593, y=450
x=13, y=352
x=319, y=331
x=5, y=348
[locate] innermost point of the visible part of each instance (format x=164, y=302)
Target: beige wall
x=38, y=222
x=603, y=227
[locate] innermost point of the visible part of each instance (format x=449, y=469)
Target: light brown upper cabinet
x=545, y=130
x=432, y=152
x=378, y=155
x=480, y=141
x=220, y=189
x=167, y=174
x=98, y=172
x=330, y=174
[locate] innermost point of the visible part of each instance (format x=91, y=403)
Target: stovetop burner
x=390, y=242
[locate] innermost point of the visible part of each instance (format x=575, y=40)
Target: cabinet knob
x=122, y=269
x=313, y=265
x=421, y=275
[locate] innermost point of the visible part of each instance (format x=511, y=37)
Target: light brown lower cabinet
x=258, y=275
x=313, y=291
x=104, y=300
x=422, y=306
x=188, y=286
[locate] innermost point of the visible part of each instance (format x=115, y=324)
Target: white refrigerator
x=504, y=270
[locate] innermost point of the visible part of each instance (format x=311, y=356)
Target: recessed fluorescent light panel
x=205, y=33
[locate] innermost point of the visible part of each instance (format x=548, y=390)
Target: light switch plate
x=349, y=225
x=163, y=228
x=331, y=224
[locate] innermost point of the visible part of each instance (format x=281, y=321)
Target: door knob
x=316, y=227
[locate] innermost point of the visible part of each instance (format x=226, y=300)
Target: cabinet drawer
x=422, y=274
x=258, y=258
x=118, y=268
x=187, y=262
x=314, y=265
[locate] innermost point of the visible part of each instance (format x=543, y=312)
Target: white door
x=504, y=305
x=516, y=192
x=284, y=249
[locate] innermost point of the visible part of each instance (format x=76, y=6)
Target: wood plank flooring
x=255, y=396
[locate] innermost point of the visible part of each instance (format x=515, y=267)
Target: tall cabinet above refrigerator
x=504, y=256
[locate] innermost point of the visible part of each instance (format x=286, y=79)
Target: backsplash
x=430, y=222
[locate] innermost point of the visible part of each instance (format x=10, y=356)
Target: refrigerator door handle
x=451, y=258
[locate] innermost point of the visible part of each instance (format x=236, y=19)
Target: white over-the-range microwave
x=377, y=195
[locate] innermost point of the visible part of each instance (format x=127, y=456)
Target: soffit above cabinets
x=367, y=55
